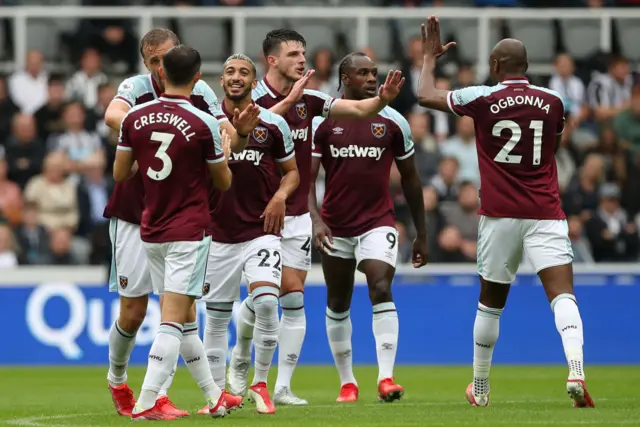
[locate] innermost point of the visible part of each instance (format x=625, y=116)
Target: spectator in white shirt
x=610, y=93
x=570, y=88
x=28, y=88
x=462, y=146
x=8, y=249
x=83, y=85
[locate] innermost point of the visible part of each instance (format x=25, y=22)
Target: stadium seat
x=205, y=35
x=465, y=34
x=317, y=32
x=629, y=35
x=42, y=35
x=537, y=35
x=581, y=37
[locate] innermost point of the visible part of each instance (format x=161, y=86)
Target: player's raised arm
x=219, y=167
x=428, y=95
x=120, y=105
x=370, y=107
x=123, y=163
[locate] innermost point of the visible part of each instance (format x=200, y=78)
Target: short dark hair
x=55, y=79
x=181, y=64
x=346, y=62
x=156, y=37
x=615, y=59
x=273, y=39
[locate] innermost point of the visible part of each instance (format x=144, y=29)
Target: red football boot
x=348, y=393
x=167, y=407
x=388, y=390
x=123, y=399
x=153, y=414
x=231, y=402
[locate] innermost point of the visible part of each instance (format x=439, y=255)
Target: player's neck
x=231, y=105
x=178, y=91
x=512, y=76
x=280, y=84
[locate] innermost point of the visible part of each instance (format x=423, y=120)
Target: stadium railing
x=362, y=17
x=62, y=316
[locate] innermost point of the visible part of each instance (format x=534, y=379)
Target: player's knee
x=218, y=317
x=562, y=297
x=380, y=291
x=292, y=304
x=338, y=305
x=265, y=301
x=292, y=281
x=132, y=313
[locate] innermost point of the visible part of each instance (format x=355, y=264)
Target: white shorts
x=259, y=259
x=296, y=242
x=501, y=242
x=129, y=274
x=178, y=267
x=380, y=244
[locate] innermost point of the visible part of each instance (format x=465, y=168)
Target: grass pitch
x=434, y=396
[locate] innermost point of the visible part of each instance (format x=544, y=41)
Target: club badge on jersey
x=260, y=134
x=301, y=109
x=379, y=130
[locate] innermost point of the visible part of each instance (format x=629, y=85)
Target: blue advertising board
x=54, y=321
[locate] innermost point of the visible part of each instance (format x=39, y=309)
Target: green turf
x=434, y=397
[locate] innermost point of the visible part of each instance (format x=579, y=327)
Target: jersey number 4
x=504, y=155
x=165, y=141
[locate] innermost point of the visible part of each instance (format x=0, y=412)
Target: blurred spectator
x=565, y=163
x=613, y=236
x=114, y=38
x=427, y=154
x=76, y=142
x=615, y=157
x=7, y=110
x=25, y=152
x=627, y=123
x=446, y=182
x=466, y=76
x=60, y=251
x=10, y=196
x=571, y=89
x=579, y=243
x=462, y=147
x=49, y=116
x=463, y=216
x=610, y=93
x=324, y=80
x=55, y=197
x=8, y=248
x=32, y=237
x=581, y=196
x=106, y=93
x=83, y=85
x=435, y=221
x=28, y=88
x=94, y=189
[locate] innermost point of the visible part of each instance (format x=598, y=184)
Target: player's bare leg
x=293, y=327
x=558, y=285
x=339, y=277
x=385, y=325
x=177, y=312
x=493, y=297
x=122, y=339
x=265, y=341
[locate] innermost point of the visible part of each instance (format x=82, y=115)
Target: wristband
x=242, y=136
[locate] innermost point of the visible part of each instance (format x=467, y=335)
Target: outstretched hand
x=391, y=87
x=431, y=44
x=245, y=121
x=298, y=88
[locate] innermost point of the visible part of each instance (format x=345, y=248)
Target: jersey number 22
x=504, y=155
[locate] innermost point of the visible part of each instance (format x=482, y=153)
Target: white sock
x=569, y=325
x=192, y=351
x=216, y=342
x=293, y=326
x=265, y=332
x=485, y=335
x=339, y=333
x=385, y=331
x=244, y=328
x=162, y=358
x=164, y=390
x=121, y=345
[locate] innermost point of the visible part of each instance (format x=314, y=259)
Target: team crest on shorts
x=260, y=134
x=301, y=109
x=124, y=281
x=205, y=288
x=378, y=129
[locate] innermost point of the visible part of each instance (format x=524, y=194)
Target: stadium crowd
x=56, y=156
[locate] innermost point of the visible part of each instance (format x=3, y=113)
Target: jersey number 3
x=504, y=155
x=165, y=141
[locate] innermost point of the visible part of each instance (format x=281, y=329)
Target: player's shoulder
x=393, y=116
x=140, y=109
x=261, y=92
x=310, y=93
x=138, y=85
x=202, y=88
x=206, y=119
x=270, y=118
x=471, y=94
x=548, y=92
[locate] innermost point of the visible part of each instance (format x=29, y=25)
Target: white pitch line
x=36, y=421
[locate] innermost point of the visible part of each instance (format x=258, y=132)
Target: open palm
x=431, y=44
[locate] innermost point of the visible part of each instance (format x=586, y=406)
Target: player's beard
x=240, y=97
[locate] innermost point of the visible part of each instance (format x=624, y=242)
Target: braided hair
x=346, y=62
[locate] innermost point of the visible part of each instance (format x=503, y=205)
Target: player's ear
x=161, y=73
x=197, y=77
x=272, y=61
x=254, y=83
x=222, y=81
